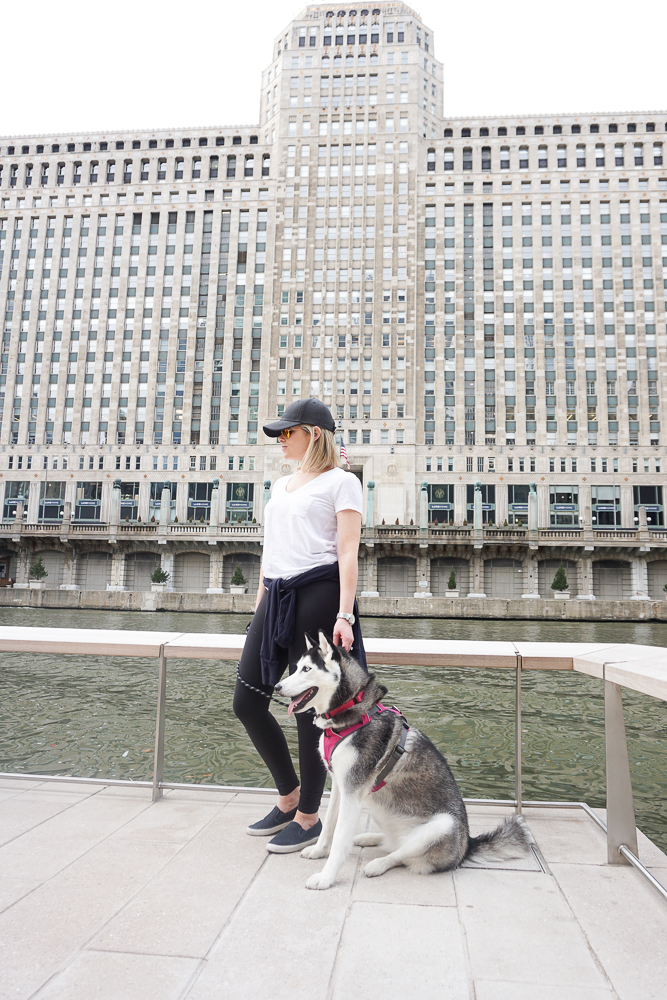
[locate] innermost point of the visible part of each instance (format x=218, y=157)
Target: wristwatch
x=348, y=618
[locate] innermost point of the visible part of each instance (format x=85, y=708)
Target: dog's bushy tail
x=509, y=840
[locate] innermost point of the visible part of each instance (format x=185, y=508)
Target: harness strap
x=396, y=755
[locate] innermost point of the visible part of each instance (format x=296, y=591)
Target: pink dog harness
x=332, y=740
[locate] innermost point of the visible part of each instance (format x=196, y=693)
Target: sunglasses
x=286, y=432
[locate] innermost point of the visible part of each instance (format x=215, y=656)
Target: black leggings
x=316, y=608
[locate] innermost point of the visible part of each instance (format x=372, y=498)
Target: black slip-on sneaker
x=294, y=838
x=273, y=823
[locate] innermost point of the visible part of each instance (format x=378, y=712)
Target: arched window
x=266, y=164
x=449, y=160
x=639, y=154
x=92, y=176
x=504, y=157
x=144, y=170
x=467, y=158
x=60, y=178
x=249, y=168
x=76, y=173
x=542, y=160
x=28, y=174
x=127, y=172
x=562, y=156
x=430, y=160
x=162, y=169
x=213, y=167
x=523, y=157
x=619, y=158
x=231, y=166
x=486, y=157
x=581, y=156
x=111, y=171
x=196, y=168
x=599, y=155
x=44, y=179
x=657, y=154
x=178, y=171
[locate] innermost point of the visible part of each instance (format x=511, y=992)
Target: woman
x=308, y=581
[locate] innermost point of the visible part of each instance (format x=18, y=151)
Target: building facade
x=478, y=301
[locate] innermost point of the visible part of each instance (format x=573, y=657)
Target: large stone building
x=477, y=300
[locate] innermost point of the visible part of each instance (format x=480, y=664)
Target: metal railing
x=639, y=668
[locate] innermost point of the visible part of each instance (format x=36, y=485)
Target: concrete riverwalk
x=106, y=895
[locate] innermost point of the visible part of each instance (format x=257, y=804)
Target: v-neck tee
x=300, y=528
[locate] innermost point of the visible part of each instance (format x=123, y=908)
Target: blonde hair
x=321, y=454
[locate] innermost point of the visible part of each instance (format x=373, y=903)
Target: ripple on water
x=89, y=716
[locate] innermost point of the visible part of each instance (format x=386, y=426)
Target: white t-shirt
x=300, y=529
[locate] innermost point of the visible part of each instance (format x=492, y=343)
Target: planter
x=452, y=593
x=158, y=588
x=561, y=595
x=238, y=590
x=37, y=585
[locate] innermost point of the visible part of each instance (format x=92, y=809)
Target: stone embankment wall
x=381, y=607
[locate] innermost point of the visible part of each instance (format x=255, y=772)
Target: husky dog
x=418, y=808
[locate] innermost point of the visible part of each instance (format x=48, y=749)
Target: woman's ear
x=317, y=433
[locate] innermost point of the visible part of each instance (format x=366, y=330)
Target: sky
x=78, y=66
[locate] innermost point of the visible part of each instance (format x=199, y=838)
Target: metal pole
x=158, y=760
x=517, y=738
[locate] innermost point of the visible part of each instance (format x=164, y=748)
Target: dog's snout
x=278, y=687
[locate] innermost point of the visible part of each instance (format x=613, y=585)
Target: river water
x=89, y=716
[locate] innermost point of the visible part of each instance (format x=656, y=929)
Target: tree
x=560, y=579
x=159, y=576
x=238, y=580
x=451, y=583
x=38, y=570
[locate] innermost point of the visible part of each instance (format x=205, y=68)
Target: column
x=530, y=585
x=214, y=518
x=69, y=569
x=586, y=592
x=639, y=571
x=459, y=503
x=423, y=572
x=215, y=571
x=165, y=504
x=371, y=573
x=627, y=508
x=423, y=508
x=501, y=504
x=22, y=563
x=370, y=505
x=477, y=575
x=33, y=503
x=114, y=510
x=117, y=568
x=167, y=564
x=478, y=506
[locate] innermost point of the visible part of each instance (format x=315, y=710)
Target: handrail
x=640, y=668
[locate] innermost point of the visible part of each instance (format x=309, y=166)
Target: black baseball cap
x=302, y=411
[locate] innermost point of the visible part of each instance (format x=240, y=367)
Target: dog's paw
x=368, y=840
x=319, y=881
x=375, y=867
x=315, y=851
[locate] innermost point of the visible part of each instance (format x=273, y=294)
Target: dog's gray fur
x=420, y=812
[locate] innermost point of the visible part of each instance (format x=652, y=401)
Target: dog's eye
x=306, y=669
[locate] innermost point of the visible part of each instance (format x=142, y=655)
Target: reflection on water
x=94, y=716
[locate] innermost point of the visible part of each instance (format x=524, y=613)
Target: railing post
x=621, y=828
x=517, y=738
x=158, y=760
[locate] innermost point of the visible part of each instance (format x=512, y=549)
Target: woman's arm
x=349, y=532
x=260, y=589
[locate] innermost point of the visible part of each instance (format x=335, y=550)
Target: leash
x=251, y=687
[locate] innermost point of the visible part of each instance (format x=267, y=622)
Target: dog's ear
x=310, y=643
x=326, y=647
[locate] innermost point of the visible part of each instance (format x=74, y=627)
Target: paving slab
x=519, y=927
x=183, y=909
x=422, y=948
x=625, y=921
x=21, y=813
x=45, y=850
x=109, y=976
x=281, y=934
x=46, y=929
x=174, y=821
x=12, y=889
x=494, y=990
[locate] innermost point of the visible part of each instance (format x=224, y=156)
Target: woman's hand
x=342, y=633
